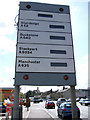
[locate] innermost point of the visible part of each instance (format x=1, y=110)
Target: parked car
x=2, y=108
x=77, y=99
x=49, y=104
x=60, y=100
x=41, y=100
x=65, y=110
x=48, y=100
x=68, y=100
x=82, y=101
x=87, y=102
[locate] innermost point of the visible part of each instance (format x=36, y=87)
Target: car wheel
x=63, y=115
x=58, y=114
x=86, y=104
x=79, y=117
x=46, y=107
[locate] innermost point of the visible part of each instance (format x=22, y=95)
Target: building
x=54, y=95
x=83, y=93
x=6, y=93
x=65, y=93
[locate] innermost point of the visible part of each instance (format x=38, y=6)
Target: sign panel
x=45, y=65
x=45, y=51
x=46, y=16
x=40, y=79
x=50, y=37
x=44, y=26
x=35, y=6
x=44, y=54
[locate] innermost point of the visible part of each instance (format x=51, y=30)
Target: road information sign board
x=44, y=54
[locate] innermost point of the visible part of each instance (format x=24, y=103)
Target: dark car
x=2, y=108
x=65, y=110
x=49, y=104
x=36, y=100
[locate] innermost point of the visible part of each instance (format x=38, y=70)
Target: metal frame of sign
x=44, y=53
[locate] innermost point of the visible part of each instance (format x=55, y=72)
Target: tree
x=31, y=93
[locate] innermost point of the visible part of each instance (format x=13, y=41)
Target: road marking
x=49, y=113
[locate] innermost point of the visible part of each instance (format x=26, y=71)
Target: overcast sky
x=8, y=36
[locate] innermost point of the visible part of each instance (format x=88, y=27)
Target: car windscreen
x=50, y=102
x=67, y=105
x=36, y=98
x=63, y=100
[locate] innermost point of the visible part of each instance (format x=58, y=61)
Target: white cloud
x=89, y=69
x=7, y=45
x=4, y=82
x=82, y=72
x=6, y=77
x=9, y=70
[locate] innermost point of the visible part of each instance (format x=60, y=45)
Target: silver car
x=60, y=100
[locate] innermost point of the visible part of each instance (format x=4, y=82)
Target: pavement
x=26, y=112
x=36, y=112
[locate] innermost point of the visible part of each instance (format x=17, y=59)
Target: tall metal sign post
x=44, y=54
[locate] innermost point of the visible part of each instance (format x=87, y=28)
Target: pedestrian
x=27, y=103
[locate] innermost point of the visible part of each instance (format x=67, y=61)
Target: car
x=41, y=100
x=77, y=99
x=85, y=102
x=49, y=104
x=2, y=108
x=36, y=100
x=68, y=100
x=60, y=100
x=82, y=101
x=48, y=100
x=65, y=110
